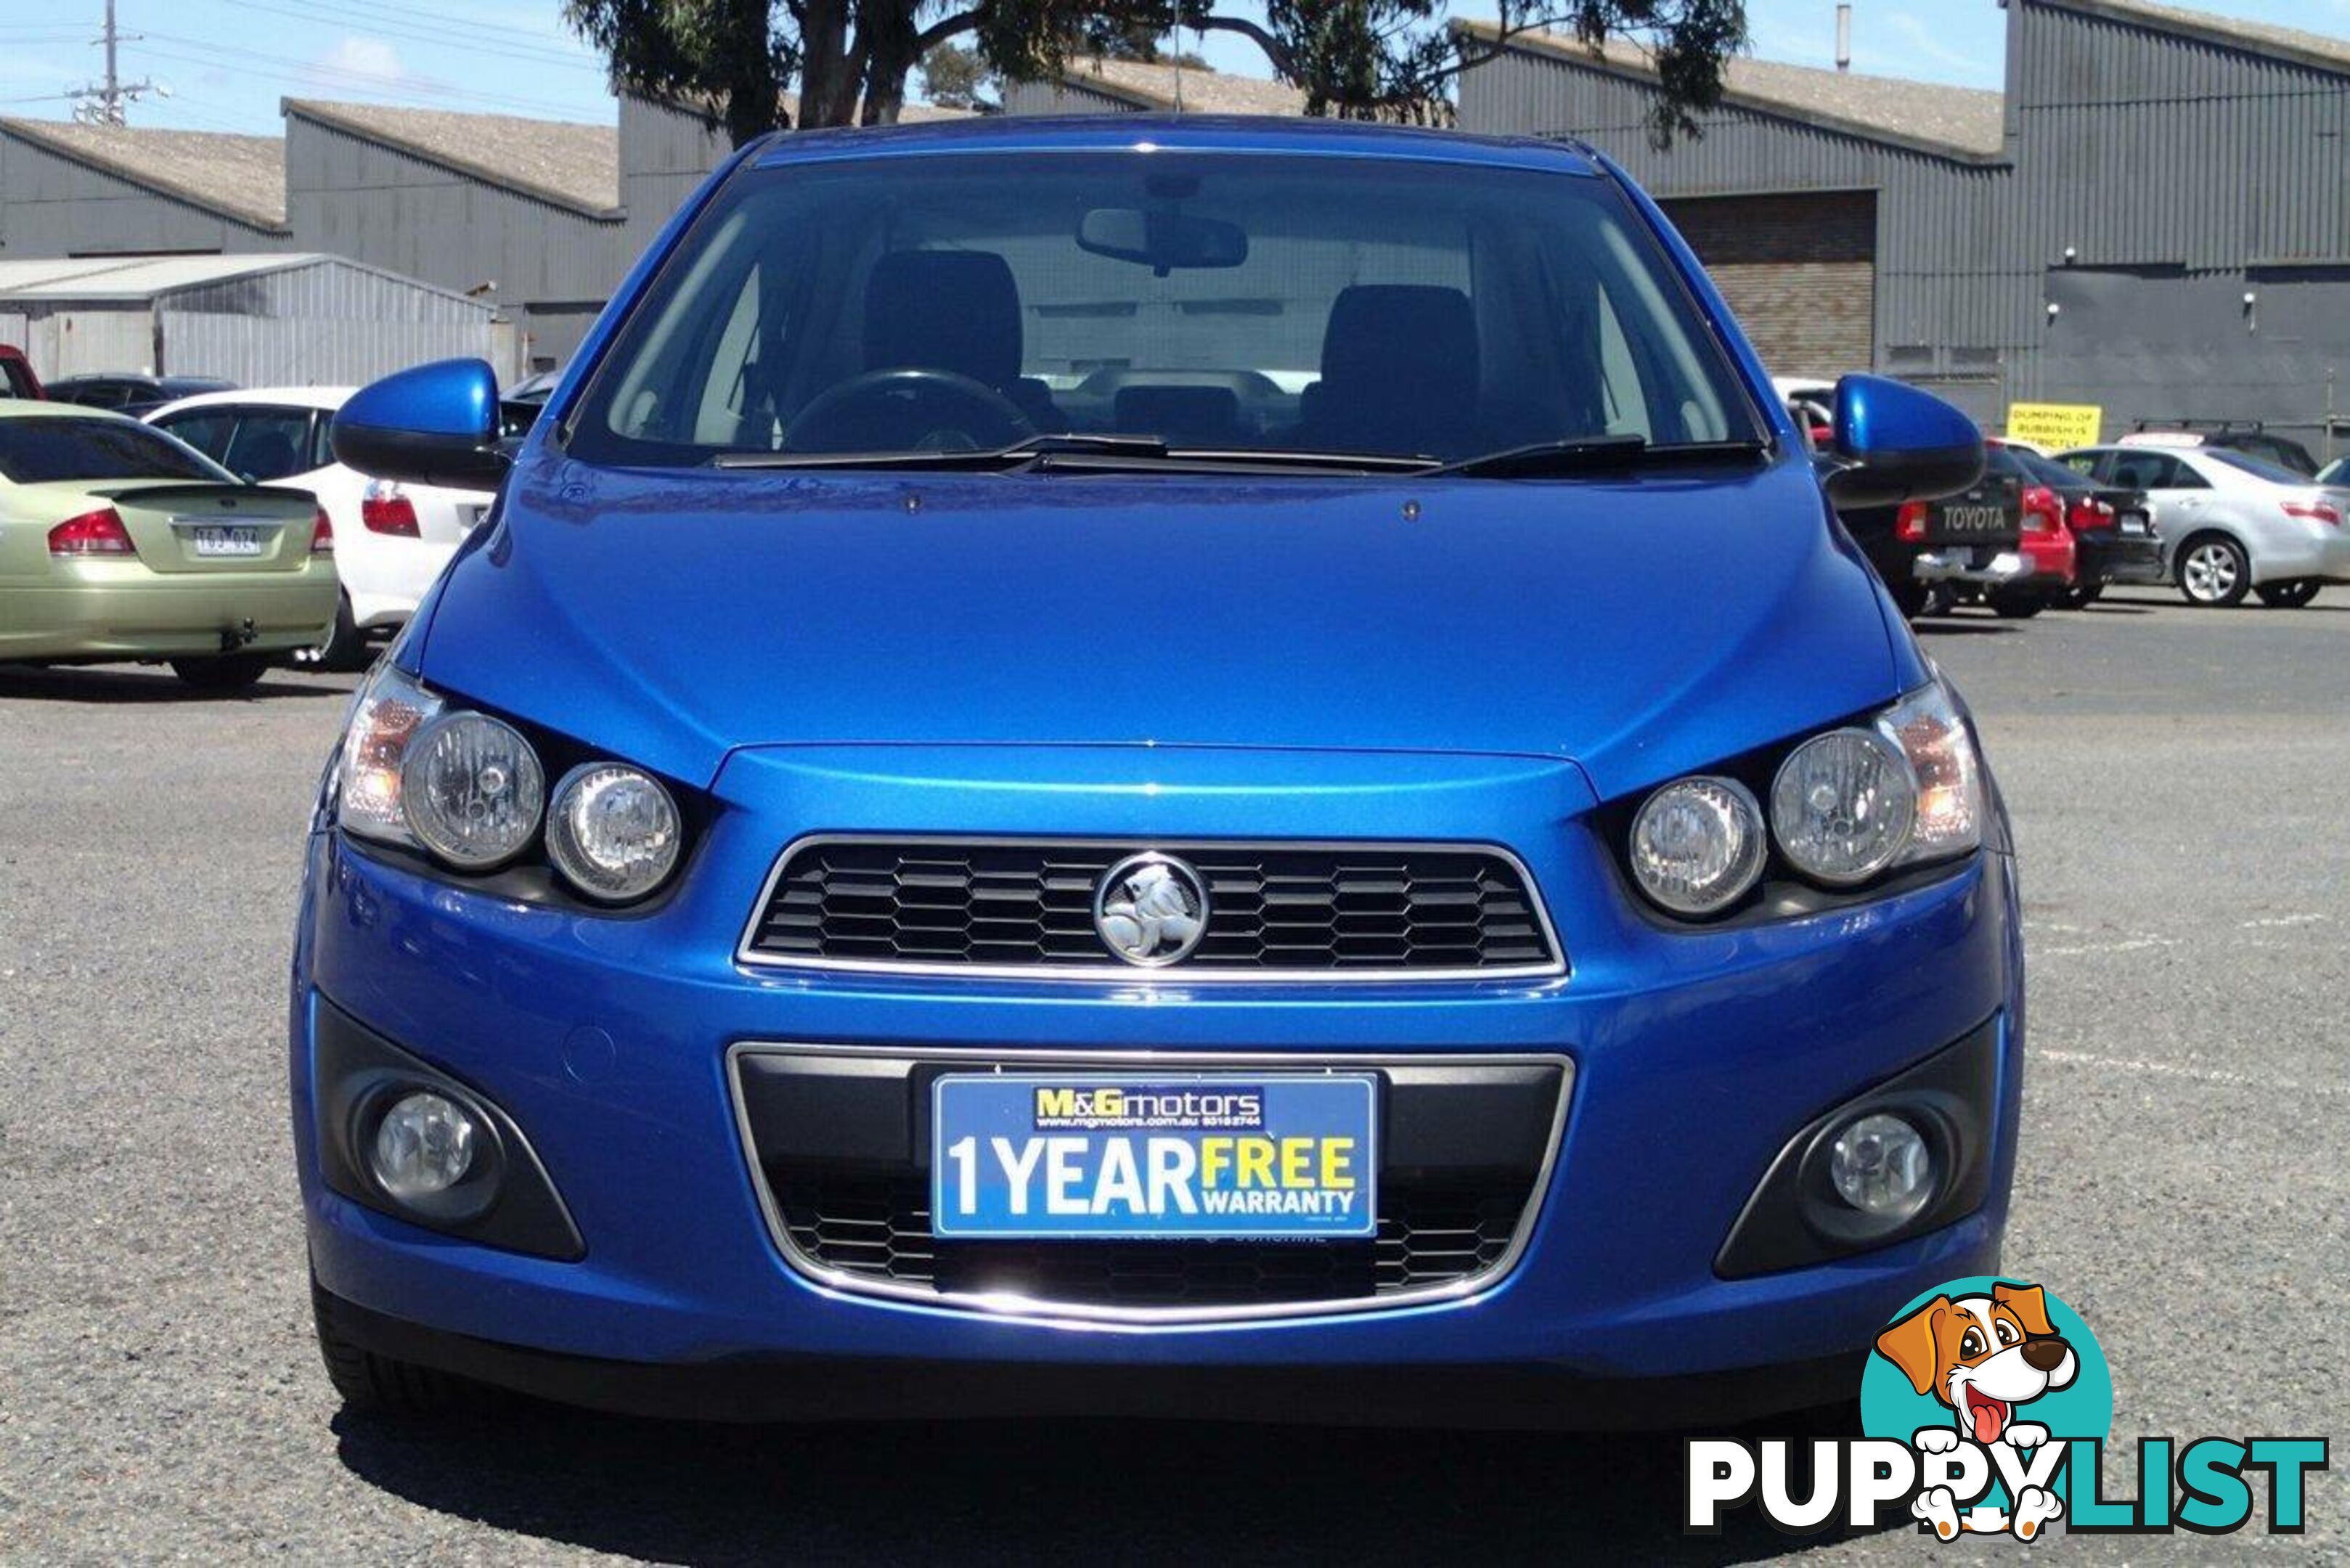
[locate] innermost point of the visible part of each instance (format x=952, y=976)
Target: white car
x=390, y=540
x=2231, y=523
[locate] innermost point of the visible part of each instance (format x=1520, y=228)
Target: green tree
x=849, y=60
x=956, y=77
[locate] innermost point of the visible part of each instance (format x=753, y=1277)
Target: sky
x=224, y=65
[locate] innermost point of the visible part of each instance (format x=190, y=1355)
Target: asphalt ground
x=2180, y=782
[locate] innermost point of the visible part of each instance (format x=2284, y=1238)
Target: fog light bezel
x=352, y=1068
x=1794, y=1216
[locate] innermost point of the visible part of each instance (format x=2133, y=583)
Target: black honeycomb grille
x=1368, y=907
x=1432, y=1232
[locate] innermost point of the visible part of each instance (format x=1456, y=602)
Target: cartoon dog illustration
x=1983, y=1357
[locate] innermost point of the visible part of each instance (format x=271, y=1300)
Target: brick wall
x=1799, y=271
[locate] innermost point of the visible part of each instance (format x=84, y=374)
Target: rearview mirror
x=435, y=424
x=1162, y=241
x=1895, y=443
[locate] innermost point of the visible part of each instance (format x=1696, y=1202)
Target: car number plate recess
x=1154, y=1155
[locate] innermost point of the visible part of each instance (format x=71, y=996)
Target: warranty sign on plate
x=1167, y=1157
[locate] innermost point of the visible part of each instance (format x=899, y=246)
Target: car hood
x=1639, y=627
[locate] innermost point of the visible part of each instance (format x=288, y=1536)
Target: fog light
x=423, y=1147
x=1882, y=1166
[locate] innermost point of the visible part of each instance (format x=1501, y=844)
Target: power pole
x=104, y=103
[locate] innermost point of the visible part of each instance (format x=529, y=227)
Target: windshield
x=37, y=450
x=1216, y=303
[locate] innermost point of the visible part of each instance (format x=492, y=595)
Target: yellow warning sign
x=2054, y=426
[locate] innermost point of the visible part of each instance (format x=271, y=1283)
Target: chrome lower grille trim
x=1045, y=1309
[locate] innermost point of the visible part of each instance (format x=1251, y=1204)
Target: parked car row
x=2223, y=514
x=156, y=526
x=2231, y=522
x=118, y=542
x=394, y=538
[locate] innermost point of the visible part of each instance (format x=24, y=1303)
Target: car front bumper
x=1697, y=1055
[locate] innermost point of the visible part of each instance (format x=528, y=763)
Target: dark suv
x=132, y=394
x=2230, y=435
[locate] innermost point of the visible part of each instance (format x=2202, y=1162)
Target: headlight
x=1698, y=845
x=1933, y=739
x=1842, y=806
x=613, y=831
x=471, y=789
x=390, y=710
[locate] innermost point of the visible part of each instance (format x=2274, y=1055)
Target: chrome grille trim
x=1006, y=1307
x=1125, y=975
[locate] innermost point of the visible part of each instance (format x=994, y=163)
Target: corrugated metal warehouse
x=259, y=321
x=525, y=213
x=1130, y=87
x=69, y=190
x=2154, y=217
x=668, y=148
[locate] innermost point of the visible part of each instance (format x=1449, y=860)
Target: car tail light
x=98, y=533
x=2090, y=513
x=322, y=533
x=388, y=512
x=2039, y=515
x=2314, y=511
x=1909, y=523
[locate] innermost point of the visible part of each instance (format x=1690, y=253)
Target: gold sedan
x=119, y=543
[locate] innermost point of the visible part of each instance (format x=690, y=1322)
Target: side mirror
x=1895, y=443
x=435, y=424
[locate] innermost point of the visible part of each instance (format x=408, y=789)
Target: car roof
x=279, y=397
x=41, y=408
x=1003, y=133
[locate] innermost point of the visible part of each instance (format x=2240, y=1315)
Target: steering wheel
x=907, y=408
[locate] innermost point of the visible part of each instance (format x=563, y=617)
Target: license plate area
x=1155, y=1156
x=217, y=540
x=1969, y=522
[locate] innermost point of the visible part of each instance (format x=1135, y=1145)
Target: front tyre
x=375, y=1385
x=2214, y=573
x=2080, y=595
x=2292, y=595
x=228, y=672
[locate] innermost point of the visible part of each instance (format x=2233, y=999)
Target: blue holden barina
x=1245, y=755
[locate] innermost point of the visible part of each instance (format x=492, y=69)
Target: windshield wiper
x=1071, y=451
x=973, y=459
x=1589, y=455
